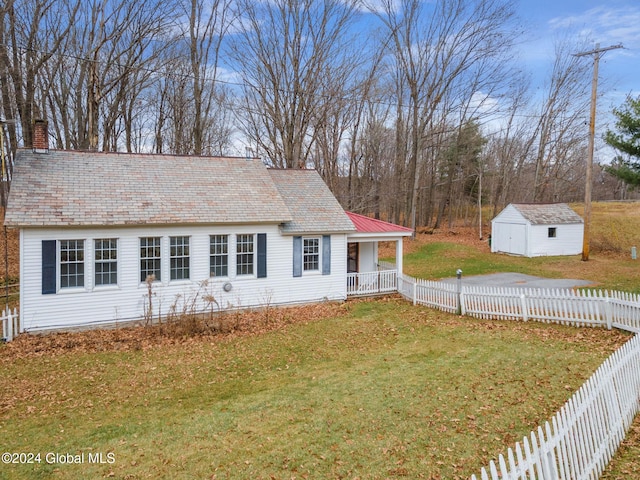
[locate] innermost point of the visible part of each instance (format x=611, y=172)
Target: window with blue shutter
x=297, y=256
x=262, y=255
x=311, y=254
x=49, y=253
x=326, y=254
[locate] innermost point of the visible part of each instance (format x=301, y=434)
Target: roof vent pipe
x=40, y=136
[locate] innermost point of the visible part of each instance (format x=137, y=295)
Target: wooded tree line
x=412, y=111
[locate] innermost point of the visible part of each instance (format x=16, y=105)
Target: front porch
x=372, y=283
x=366, y=274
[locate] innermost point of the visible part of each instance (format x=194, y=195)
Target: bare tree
x=291, y=54
x=93, y=85
x=561, y=117
x=208, y=24
x=31, y=32
x=440, y=50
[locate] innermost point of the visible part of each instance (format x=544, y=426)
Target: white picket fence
x=9, y=324
x=440, y=295
x=566, y=306
x=581, y=308
x=585, y=434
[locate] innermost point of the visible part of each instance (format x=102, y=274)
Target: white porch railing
x=372, y=283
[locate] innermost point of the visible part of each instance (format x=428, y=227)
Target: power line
x=596, y=53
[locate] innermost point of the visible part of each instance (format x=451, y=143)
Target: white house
x=534, y=230
x=111, y=237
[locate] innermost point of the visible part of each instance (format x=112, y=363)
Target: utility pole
x=596, y=53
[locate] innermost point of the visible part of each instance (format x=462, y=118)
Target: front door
x=352, y=257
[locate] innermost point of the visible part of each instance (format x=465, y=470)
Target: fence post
x=608, y=310
x=415, y=290
x=9, y=325
x=463, y=306
x=459, y=291
x=524, y=306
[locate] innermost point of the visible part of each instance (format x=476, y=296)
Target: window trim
x=552, y=232
x=252, y=253
x=81, y=264
x=158, y=277
x=183, y=258
x=113, y=261
x=215, y=255
x=317, y=254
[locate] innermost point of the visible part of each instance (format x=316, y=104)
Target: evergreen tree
x=626, y=139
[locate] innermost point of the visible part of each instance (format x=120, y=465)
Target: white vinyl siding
x=567, y=240
x=127, y=300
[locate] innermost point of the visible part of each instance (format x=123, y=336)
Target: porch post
x=399, y=257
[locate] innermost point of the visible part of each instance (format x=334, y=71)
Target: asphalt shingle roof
x=548, y=213
x=311, y=203
x=71, y=188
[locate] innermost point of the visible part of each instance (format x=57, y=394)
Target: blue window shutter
x=49, y=251
x=326, y=254
x=262, y=255
x=297, y=256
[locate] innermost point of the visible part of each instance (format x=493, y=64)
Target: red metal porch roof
x=365, y=224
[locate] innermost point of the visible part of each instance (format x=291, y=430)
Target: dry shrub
x=199, y=327
x=606, y=246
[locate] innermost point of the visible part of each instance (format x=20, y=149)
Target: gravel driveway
x=519, y=280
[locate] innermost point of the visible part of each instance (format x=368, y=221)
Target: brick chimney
x=40, y=136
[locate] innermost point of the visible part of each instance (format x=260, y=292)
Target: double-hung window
x=179, y=258
x=218, y=255
x=244, y=254
x=71, y=263
x=311, y=254
x=106, y=261
x=150, y=258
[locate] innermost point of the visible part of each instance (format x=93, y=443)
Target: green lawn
x=380, y=389
x=441, y=259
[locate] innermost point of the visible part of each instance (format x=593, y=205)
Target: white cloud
x=604, y=24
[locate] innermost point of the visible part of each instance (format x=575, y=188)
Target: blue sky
x=609, y=22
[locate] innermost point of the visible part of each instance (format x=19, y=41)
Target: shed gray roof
x=311, y=203
x=548, y=213
x=70, y=188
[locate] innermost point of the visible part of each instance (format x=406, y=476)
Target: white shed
x=535, y=230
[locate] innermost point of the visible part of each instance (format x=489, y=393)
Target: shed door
x=509, y=238
x=517, y=238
